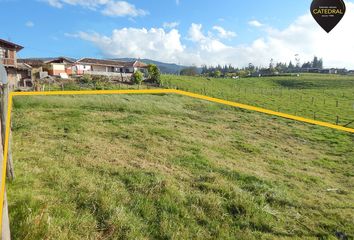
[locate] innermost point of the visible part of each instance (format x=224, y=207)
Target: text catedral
x=327, y=11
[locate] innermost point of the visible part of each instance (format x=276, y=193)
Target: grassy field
x=172, y=167
x=315, y=96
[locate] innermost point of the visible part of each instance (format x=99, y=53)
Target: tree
x=138, y=77
x=242, y=73
x=154, y=73
x=307, y=65
x=190, y=71
x=297, y=60
x=251, y=68
x=204, y=69
x=280, y=67
x=315, y=62
x=320, y=63
x=271, y=66
x=216, y=74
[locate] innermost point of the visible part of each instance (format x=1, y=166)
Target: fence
x=321, y=106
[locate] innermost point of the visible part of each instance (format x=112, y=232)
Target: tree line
x=273, y=68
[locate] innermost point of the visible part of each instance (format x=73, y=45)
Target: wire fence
x=336, y=107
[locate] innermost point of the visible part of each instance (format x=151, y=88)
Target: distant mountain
x=167, y=68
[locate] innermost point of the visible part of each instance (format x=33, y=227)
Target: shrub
x=190, y=71
x=72, y=86
x=243, y=73
x=94, y=81
x=138, y=77
x=154, y=74
x=86, y=79
x=216, y=74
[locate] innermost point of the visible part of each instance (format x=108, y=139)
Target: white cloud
x=140, y=43
x=54, y=3
x=29, y=24
x=170, y=24
x=222, y=33
x=255, y=23
x=195, y=33
x=110, y=8
x=303, y=37
x=91, y=4
x=204, y=43
x=122, y=8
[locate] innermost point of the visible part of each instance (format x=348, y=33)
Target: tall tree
x=204, y=69
x=320, y=63
x=315, y=62
x=251, y=67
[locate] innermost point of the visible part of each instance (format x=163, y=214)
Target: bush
x=154, y=74
x=243, y=73
x=86, y=79
x=216, y=74
x=70, y=86
x=95, y=81
x=190, y=71
x=138, y=77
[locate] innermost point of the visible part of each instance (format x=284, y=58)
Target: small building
x=24, y=73
x=342, y=71
x=58, y=66
x=8, y=57
x=329, y=71
x=35, y=64
x=310, y=70
x=63, y=67
x=266, y=72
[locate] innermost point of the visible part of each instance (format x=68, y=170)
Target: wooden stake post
x=4, y=102
x=5, y=228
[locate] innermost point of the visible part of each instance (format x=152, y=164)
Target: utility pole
x=297, y=60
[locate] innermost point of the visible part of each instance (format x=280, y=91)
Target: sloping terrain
x=323, y=97
x=172, y=167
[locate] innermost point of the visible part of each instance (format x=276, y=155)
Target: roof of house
x=23, y=66
x=11, y=45
x=33, y=62
x=111, y=63
x=101, y=62
x=60, y=60
x=139, y=64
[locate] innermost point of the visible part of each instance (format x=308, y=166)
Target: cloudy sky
x=189, y=32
